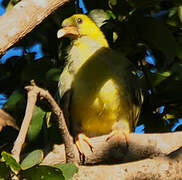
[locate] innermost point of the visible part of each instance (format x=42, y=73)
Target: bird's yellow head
x=80, y=25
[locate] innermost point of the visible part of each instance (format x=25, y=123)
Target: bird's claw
x=83, y=144
x=119, y=135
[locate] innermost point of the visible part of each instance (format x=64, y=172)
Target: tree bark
x=158, y=168
x=147, y=156
x=23, y=18
x=139, y=146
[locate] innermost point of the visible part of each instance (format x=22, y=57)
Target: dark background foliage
x=148, y=32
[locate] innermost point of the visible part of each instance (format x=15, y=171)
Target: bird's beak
x=69, y=31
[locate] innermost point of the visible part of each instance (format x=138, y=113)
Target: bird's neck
x=83, y=48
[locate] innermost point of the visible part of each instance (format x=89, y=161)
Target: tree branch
x=32, y=98
x=7, y=120
x=22, y=18
x=162, y=154
x=139, y=146
x=158, y=168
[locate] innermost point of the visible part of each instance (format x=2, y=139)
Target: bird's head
x=80, y=25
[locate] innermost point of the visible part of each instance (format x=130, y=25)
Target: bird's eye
x=79, y=21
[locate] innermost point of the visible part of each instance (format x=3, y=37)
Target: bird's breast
x=96, y=110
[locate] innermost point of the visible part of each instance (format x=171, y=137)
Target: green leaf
x=172, y=11
x=160, y=37
x=36, y=123
x=11, y=4
x=48, y=119
x=155, y=34
x=42, y=173
x=53, y=74
x=180, y=12
x=174, y=17
x=99, y=16
x=13, y=100
x=33, y=158
x=157, y=78
x=11, y=162
x=4, y=171
x=68, y=170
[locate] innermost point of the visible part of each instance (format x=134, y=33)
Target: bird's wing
x=64, y=86
x=137, y=100
x=127, y=73
x=65, y=81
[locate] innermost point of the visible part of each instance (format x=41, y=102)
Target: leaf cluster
x=31, y=169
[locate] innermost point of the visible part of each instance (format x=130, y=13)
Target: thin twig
x=32, y=98
x=33, y=92
x=67, y=138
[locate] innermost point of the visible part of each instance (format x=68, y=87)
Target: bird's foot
x=118, y=134
x=83, y=145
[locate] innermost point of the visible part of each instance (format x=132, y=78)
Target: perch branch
x=161, y=154
x=157, y=168
x=139, y=146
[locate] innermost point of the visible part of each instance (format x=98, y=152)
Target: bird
x=98, y=86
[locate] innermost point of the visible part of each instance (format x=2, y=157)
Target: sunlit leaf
x=32, y=159
x=48, y=118
x=11, y=162
x=180, y=12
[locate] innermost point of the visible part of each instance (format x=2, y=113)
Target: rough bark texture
x=139, y=146
x=23, y=17
x=159, y=168
x=161, y=154
x=18, y=144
